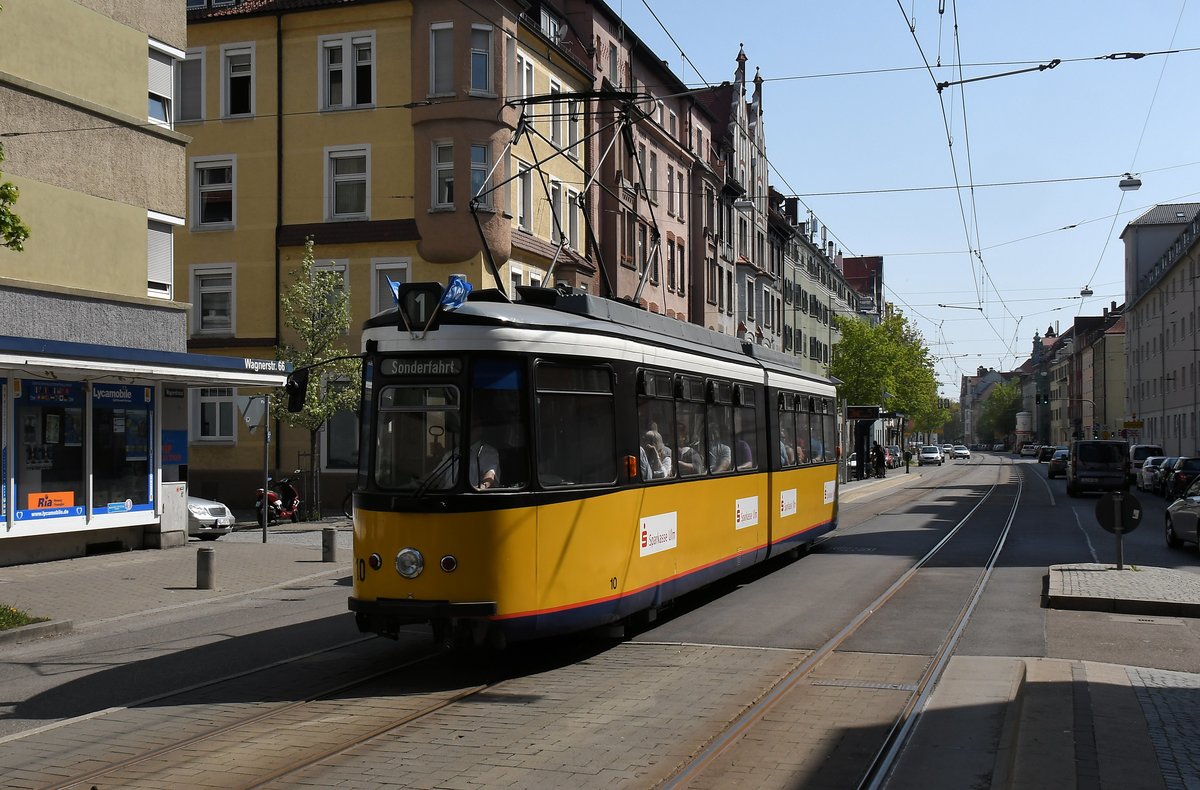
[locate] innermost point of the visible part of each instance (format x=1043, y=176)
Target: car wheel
x=1072, y=491
x=1173, y=540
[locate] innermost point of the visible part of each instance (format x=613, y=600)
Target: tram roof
x=578, y=311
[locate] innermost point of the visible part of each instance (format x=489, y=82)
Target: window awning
x=64, y=359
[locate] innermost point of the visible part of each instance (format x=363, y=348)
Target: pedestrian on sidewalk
x=879, y=458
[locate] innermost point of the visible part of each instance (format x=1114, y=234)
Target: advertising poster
x=41, y=406
x=135, y=435
x=73, y=427
x=132, y=408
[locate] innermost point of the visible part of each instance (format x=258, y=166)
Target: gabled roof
x=1168, y=214
x=249, y=7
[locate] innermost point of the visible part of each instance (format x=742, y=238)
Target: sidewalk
x=85, y=591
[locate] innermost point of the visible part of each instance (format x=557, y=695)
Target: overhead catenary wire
x=1137, y=149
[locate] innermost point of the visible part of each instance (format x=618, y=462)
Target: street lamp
x=1130, y=183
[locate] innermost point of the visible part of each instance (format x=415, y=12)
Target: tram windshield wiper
x=437, y=472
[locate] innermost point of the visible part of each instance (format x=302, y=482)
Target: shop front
x=87, y=447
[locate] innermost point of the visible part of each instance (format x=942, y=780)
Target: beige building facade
x=94, y=374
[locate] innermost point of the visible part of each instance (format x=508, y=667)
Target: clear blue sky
x=851, y=107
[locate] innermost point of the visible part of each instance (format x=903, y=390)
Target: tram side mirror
x=297, y=390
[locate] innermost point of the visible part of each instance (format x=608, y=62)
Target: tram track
x=724, y=744
x=320, y=725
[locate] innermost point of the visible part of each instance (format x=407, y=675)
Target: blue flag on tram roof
x=456, y=292
x=395, y=286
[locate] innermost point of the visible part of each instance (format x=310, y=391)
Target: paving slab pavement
x=1134, y=589
x=86, y=591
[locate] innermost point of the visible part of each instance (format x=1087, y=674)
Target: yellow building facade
x=369, y=127
x=94, y=369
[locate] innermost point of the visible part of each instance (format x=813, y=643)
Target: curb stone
x=28, y=633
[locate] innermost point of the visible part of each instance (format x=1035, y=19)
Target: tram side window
x=497, y=456
x=656, y=417
x=806, y=452
x=691, y=455
x=745, y=430
x=576, y=425
x=787, y=435
x=829, y=429
x=720, y=438
x=417, y=436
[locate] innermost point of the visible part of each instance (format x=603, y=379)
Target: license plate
x=227, y=521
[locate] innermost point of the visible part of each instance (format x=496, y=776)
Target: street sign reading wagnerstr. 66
x=862, y=412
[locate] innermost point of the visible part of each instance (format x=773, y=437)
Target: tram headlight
x=409, y=563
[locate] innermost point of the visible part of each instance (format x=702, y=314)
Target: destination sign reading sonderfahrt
x=450, y=366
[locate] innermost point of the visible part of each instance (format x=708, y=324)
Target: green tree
x=890, y=357
x=316, y=308
x=13, y=232
x=998, y=418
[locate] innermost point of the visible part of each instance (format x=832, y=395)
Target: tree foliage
x=998, y=418
x=316, y=308
x=889, y=357
x=13, y=232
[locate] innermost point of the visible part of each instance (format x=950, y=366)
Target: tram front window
x=417, y=431
x=498, y=453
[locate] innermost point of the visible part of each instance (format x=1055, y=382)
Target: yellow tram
x=564, y=461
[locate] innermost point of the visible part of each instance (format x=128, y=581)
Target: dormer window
x=552, y=26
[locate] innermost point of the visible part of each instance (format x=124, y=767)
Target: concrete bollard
x=328, y=544
x=205, y=573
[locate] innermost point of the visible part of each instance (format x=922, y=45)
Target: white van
x=1138, y=453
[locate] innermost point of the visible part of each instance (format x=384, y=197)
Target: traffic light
x=297, y=389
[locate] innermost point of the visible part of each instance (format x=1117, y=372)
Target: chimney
x=791, y=207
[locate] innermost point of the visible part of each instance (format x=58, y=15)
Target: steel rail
x=881, y=766
x=234, y=725
x=720, y=743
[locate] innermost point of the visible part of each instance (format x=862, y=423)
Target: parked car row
x=1169, y=475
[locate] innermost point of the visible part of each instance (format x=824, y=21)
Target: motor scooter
x=283, y=501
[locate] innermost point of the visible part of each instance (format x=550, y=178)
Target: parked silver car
x=1144, y=477
x=208, y=520
x=1183, y=515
